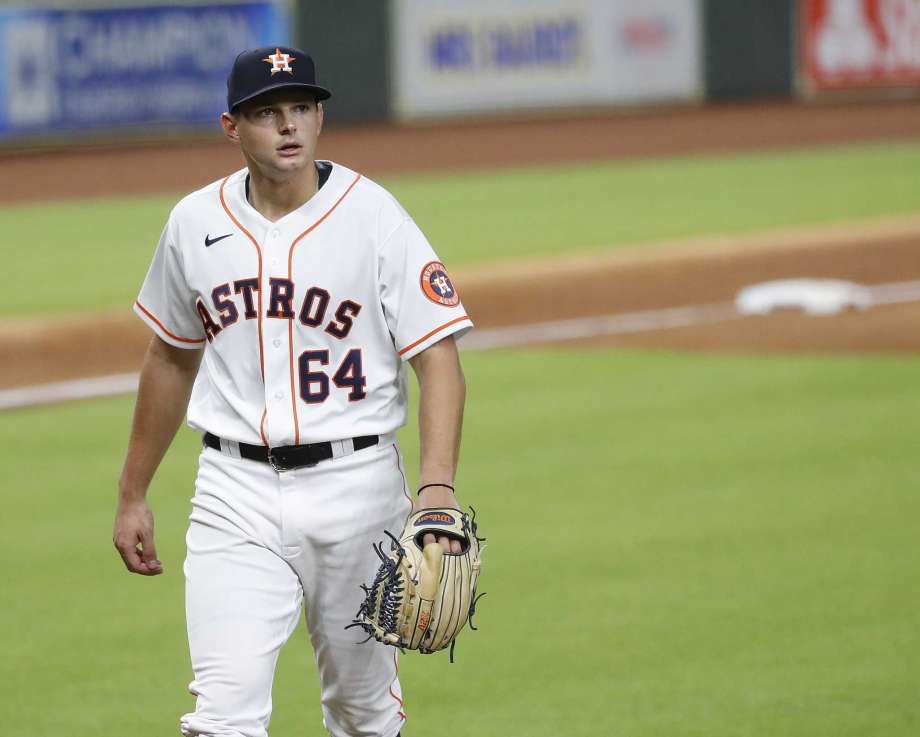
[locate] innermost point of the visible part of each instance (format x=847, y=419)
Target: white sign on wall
x=471, y=56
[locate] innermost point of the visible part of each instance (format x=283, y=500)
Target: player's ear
x=228, y=123
x=320, y=109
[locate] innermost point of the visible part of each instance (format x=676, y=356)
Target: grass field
x=91, y=256
x=678, y=545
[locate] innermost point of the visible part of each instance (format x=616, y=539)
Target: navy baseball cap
x=259, y=70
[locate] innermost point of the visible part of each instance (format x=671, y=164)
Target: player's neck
x=274, y=199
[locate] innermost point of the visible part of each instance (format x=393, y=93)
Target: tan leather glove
x=421, y=598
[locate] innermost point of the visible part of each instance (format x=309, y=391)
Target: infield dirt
x=697, y=273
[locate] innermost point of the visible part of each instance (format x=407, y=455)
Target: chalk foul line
x=591, y=327
x=481, y=339
x=65, y=391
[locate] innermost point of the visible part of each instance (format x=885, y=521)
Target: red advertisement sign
x=854, y=44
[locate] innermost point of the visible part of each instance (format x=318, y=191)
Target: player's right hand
x=133, y=538
x=432, y=498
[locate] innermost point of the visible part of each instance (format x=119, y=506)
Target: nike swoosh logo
x=208, y=241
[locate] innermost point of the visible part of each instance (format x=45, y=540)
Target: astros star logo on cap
x=280, y=62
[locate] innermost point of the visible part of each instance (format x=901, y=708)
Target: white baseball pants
x=261, y=546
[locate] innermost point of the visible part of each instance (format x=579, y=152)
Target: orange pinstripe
x=255, y=243
x=408, y=514
x=405, y=482
x=395, y=676
x=262, y=428
x=291, y=322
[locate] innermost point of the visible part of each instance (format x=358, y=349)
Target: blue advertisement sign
x=70, y=70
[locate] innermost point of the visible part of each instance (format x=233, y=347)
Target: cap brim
x=319, y=93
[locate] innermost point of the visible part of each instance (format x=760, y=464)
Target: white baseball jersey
x=307, y=321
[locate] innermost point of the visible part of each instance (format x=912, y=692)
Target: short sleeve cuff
x=457, y=327
x=166, y=335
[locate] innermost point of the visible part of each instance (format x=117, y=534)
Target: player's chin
x=290, y=164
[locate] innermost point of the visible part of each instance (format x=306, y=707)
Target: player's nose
x=286, y=123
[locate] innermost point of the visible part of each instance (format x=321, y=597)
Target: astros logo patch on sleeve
x=437, y=286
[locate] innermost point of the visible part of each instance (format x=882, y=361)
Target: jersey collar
x=339, y=179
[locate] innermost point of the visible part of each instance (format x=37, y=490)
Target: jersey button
x=276, y=233
x=276, y=343
x=279, y=395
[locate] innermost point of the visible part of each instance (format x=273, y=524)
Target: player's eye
x=265, y=112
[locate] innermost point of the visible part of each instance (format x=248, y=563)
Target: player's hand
x=133, y=537
x=438, y=496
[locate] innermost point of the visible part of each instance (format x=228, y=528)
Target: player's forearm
x=162, y=398
x=442, y=396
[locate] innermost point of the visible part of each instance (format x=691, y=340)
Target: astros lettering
x=312, y=312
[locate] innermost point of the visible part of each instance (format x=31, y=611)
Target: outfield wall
x=468, y=57
x=749, y=48
x=351, y=56
x=72, y=72
x=89, y=70
x=865, y=45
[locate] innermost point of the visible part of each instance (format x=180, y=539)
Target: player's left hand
x=433, y=497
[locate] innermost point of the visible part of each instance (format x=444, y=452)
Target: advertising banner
x=859, y=44
x=470, y=56
x=72, y=70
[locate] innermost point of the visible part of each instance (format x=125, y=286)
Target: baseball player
x=285, y=301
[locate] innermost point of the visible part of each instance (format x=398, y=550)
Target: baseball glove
x=421, y=598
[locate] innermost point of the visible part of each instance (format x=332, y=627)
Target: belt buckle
x=273, y=462
x=280, y=466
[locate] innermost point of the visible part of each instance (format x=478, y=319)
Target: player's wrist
x=434, y=496
x=436, y=471
x=434, y=485
x=131, y=494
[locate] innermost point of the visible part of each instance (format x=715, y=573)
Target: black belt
x=289, y=457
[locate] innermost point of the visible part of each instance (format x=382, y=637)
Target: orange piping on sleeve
x=433, y=332
x=163, y=328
